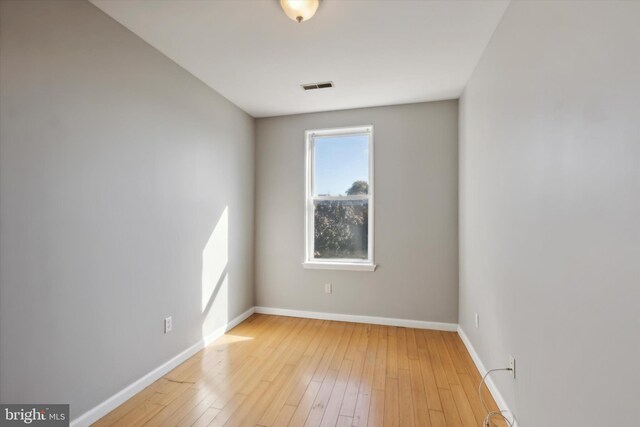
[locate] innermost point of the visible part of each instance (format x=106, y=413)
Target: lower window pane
x=341, y=229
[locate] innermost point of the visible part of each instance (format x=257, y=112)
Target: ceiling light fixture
x=299, y=10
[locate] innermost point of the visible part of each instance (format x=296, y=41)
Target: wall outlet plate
x=327, y=288
x=512, y=366
x=477, y=320
x=168, y=324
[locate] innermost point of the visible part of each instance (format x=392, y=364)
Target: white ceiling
x=377, y=52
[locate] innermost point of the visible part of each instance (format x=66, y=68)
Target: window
x=339, y=205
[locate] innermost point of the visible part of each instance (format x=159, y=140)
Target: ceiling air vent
x=311, y=86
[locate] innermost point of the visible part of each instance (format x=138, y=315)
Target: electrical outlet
x=512, y=366
x=168, y=324
x=327, y=288
x=477, y=318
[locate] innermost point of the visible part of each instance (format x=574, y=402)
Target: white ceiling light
x=299, y=10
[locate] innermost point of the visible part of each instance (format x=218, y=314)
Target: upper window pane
x=341, y=165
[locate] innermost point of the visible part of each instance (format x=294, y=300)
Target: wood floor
x=277, y=371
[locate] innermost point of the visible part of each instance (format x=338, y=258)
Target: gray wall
x=416, y=209
x=116, y=167
x=550, y=211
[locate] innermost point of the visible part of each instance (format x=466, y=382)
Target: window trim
x=337, y=263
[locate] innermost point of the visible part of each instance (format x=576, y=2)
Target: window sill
x=339, y=266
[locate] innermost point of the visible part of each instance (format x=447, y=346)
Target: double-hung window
x=339, y=198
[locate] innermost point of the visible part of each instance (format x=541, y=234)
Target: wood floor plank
x=306, y=403
x=445, y=359
x=341, y=350
x=361, y=413
x=237, y=416
x=140, y=414
x=437, y=419
x=355, y=344
x=290, y=347
x=273, y=371
x=196, y=411
x=350, y=398
x=173, y=393
x=322, y=399
x=436, y=363
x=376, y=409
x=284, y=416
x=279, y=399
x=403, y=358
x=456, y=357
x=471, y=391
x=449, y=408
x=334, y=339
x=419, y=396
x=259, y=406
x=318, y=339
x=302, y=383
x=392, y=352
x=412, y=347
x=228, y=410
x=421, y=340
x=172, y=413
x=463, y=406
x=405, y=399
x=380, y=372
x=208, y=416
x=391, y=411
x=429, y=380
x=332, y=411
x=364, y=337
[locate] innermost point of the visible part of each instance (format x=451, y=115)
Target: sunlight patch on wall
x=215, y=257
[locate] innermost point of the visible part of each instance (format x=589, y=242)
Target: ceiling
x=377, y=52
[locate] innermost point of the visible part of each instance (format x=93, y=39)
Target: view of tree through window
x=340, y=196
x=341, y=227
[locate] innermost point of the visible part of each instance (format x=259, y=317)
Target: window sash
x=310, y=137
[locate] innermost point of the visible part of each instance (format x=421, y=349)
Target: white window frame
x=336, y=263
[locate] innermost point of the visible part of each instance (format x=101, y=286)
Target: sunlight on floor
x=229, y=339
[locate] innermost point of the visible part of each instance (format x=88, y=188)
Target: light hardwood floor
x=277, y=371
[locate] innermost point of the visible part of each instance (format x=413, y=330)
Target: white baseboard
x=418, y=324
x=102, y=409
x=497, y=396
